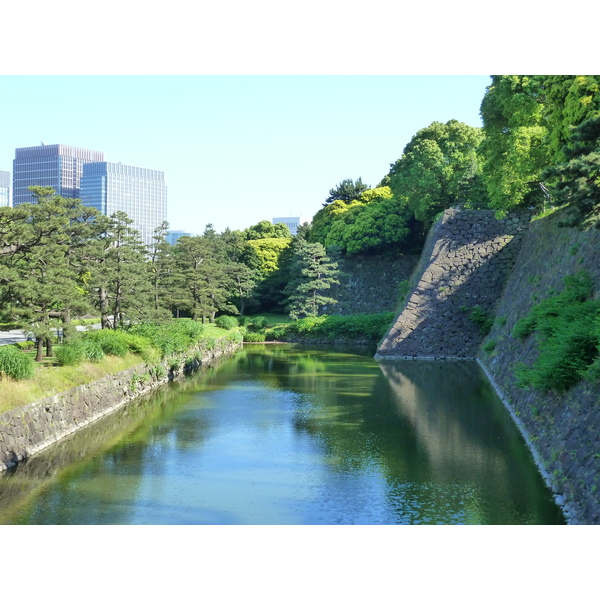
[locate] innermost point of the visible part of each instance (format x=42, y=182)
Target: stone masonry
x=27, y=430
x=472, y=254
x=369, y=284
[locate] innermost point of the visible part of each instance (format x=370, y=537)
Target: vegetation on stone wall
x=567, y=325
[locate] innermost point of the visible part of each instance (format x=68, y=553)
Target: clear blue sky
x=237, y=149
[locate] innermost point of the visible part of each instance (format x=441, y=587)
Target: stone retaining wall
x=27, y=430
x=468, y=258
x=562, y=430
x=369, y=284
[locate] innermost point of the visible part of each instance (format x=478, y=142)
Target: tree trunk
x=49, y=347
x=104, y=320
x=39, y=342
x=66, y=318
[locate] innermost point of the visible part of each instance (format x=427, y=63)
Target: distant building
x=141, y=193
x=57, y=166
x=292, y=222
x=174, y=234
x=4, y=188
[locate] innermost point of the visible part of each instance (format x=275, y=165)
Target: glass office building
x=141, y=193
x=174, y=234
x=57, y=166
x=4, y=188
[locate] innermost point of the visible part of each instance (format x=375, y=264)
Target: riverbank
x=28, y=430
x=560, y=428
x=476, y=280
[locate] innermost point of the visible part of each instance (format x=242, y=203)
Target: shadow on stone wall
x=369, y=284
x=468, y=267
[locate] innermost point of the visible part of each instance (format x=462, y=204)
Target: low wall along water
x=27, y=430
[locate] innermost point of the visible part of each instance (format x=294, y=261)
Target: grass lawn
x=49, y=380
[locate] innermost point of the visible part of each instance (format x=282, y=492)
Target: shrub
x=191, y=329
x=259, y=322
x=490, y=346
x=112, y=342
x=70, y=354
x=371, y=327
x=93, y=351
x=170, y=338
x=254, y=336
x=226, y=322
x=481, y=319
x=25, y=345
x=568, y=327
x=15, y=364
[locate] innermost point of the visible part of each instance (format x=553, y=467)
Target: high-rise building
x=57, y=166
x=4, y=188
x=174, y=234
x=141, y=193
x=292, y=222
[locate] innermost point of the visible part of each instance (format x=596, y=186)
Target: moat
x=283, y=434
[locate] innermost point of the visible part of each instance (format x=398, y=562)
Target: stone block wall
x=562, y=430
x=27, y=430
x=369, y=284
x=467, y=260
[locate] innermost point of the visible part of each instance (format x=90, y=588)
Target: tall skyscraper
x=57, y=166
x=141, y=193
x=4, y=188
x=174, y=234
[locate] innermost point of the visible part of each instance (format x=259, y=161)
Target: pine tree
x=122, y=275
x=312, y=272
x=578, y=179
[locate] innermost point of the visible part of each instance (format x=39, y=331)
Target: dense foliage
x=15, y=364
x=568, y=328
x=331, y=327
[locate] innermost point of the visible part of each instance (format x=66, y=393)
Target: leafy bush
x=490, y=346
x=254, y=336
x=371, y=327
x=226, y=322
x=70, y=354
x=188, y=327
x=482, y=320
x=568, y=327
x=170, y=338
x=110, y=341
x=259, y=322
x=15, y=364
x=403, y=289
x=25, y=345
x=93, y=351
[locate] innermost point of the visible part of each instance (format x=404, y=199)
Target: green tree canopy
x=346, y=191
x=577, y=180
x=265, y=230
x=440, y=168
x=528, y=122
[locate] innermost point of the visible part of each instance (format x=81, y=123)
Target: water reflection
x=284, y=434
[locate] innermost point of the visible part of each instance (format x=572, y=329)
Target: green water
x=286, y=435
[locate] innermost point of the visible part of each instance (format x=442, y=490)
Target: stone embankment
x=507, y=267
x=465, y=263
x=562, y=430
x=28, y=430
x=369, y=284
